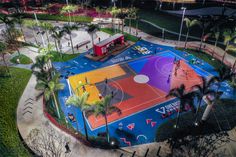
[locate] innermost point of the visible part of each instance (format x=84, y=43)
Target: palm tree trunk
x=198, y=108
x=72, y=46
x=136, y=27
x=5, y=63
x=207, y=110
x=186, y=39
x=122, y=26
x=56, y=104
x=47, y=37
x=55, y=43
x=223, y=58
x=225, y=52
x=107, y=130
x=112, y=24
x=35, y=39
x=21, y=28
x=129, y=25
x=215, y=46
x=85, y=127
x=60, y=47
x=18, y=51
x=203, y=32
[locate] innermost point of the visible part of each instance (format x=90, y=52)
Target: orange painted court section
x=185, y=75
x=143, y=97
x=93, y=77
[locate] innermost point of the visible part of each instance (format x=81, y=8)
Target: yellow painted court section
x=93, y=77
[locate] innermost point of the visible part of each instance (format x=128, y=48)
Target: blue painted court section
x=145, y=123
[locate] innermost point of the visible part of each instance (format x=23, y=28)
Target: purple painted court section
x=158, y=76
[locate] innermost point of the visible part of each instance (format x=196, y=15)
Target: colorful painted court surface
x=139, y=84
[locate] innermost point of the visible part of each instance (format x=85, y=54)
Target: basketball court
x=135, y=85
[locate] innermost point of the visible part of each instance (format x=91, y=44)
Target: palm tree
x=202, y=91
x=104, y=108
x=189, y=24
x=92, y=29
x=204, y=25
x=41, y=68
x=132, y=13
x=228, y=36
x=20, y=21
x=57, y=34
x=81, y=103
x=184, y=98
x=49, y=89
x=31, y=24
x=69, y=9
x=9, y=22
x=47, y=27
x=68, y=30
x=215, y=33
x=122, y=15
x=224, y=74
x=114, y=12
x=3, y=53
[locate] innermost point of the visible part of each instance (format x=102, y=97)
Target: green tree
x=57, y=34
x=92, y=29
x=10, y=37
x=47, y=27
x=122, y=15
x=68, y=9
x=68, y=30
x=32, y=25
x=228, y=35
x=19, y=20
x=3, y=53
x=114, y=11
x=203, y=91
x=104, y=108
x=189, y=24
x=225, y=74
x=49, y=89
x=185, y=99
x=81, y=103
x=132, y=14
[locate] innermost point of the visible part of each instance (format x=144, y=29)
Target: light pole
x=39, y=28
x=181, y=27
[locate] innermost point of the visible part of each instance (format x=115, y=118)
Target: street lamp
x=181, y=27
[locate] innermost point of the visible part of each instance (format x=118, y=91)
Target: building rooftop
x=108, y=40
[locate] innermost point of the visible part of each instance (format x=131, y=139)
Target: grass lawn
x=127, y=36
x=65, y=57
x=23, y=59
x=10, y=93
x=206, y=57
